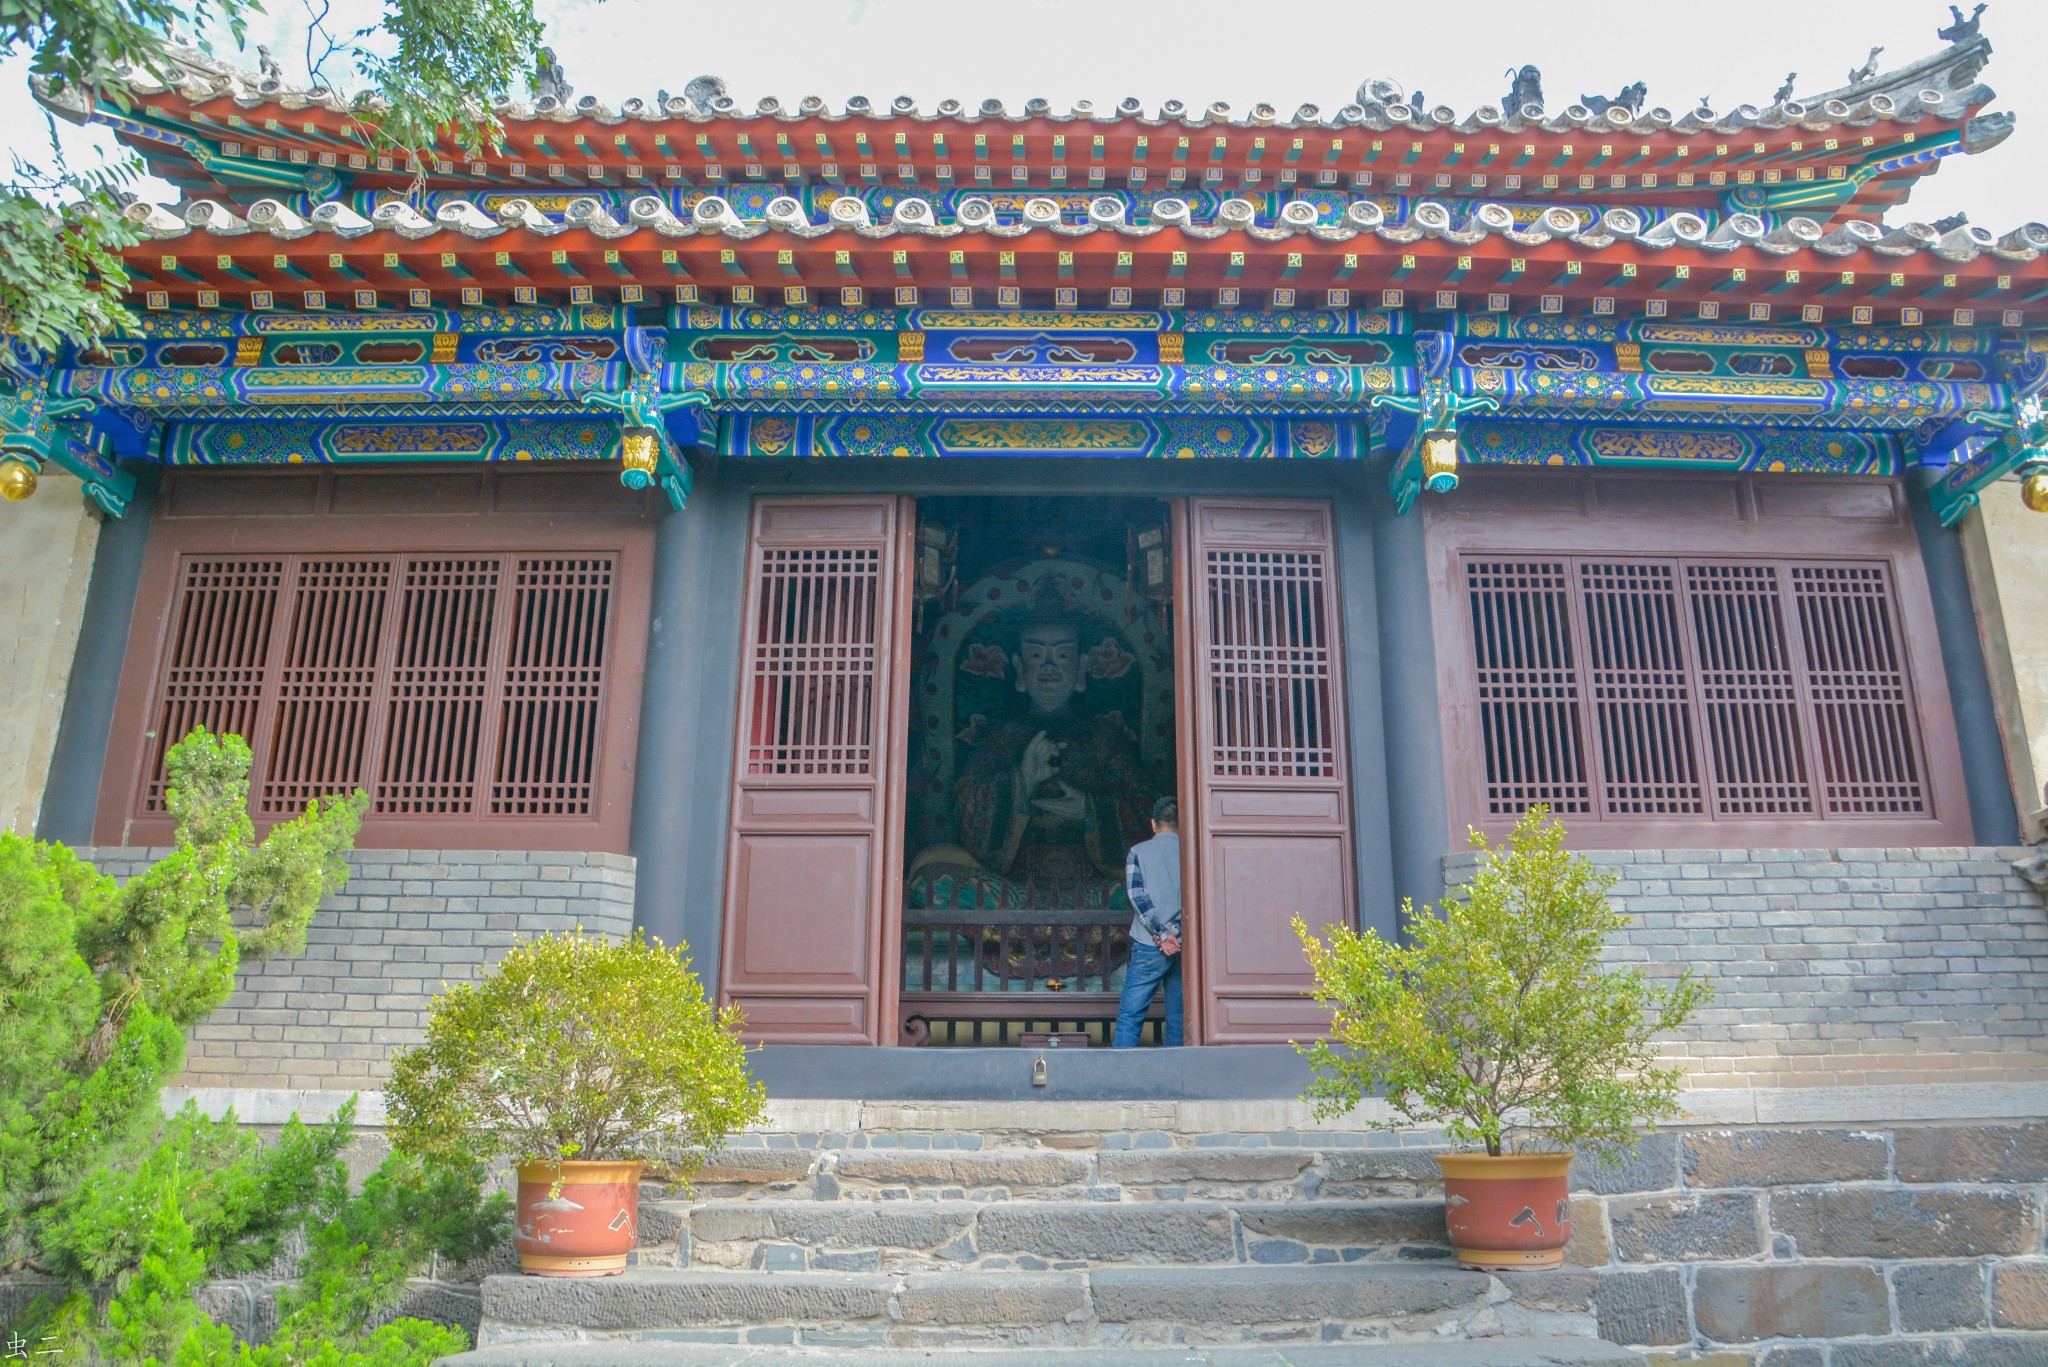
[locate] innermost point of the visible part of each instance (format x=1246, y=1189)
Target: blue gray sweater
x=1152, y=876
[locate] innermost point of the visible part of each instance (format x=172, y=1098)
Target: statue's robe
x=1100, y=761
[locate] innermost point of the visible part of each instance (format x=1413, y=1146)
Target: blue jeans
x=1149, y=968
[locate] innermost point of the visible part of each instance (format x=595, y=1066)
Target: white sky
x=1281, y=51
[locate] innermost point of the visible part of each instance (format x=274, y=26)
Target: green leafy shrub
x=135, y=1210
x=1496, y=1020
x=576, y=1047
x=98, y=984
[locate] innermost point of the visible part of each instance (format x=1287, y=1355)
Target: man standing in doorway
x=1152, y=875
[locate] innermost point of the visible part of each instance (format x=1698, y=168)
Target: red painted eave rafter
x=1095, y=264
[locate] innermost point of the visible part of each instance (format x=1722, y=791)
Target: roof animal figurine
x=1377, y=94
x=1631, y=98
x=1950, y=224
x=1962, y=30
x=1526, y=89
x=1785, y=91
x=272, y=69
x=548, y=81
x=703, y=92
x=1867, y=70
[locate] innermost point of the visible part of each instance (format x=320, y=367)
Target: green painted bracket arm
x=2022, y=440
x=1961, y=485
x=1437, y=410
x=643, y=409
x=41, y=430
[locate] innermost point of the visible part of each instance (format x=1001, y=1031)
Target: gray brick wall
x=1845, y=967
x=408, y=922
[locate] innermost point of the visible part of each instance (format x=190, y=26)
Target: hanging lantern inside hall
x=17, y=480
x=1150, y=564
x=935, y=573
x=1440, y=461
x=641, y=451
x=2033, y=488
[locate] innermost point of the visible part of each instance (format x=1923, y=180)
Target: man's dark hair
x=1166, y=811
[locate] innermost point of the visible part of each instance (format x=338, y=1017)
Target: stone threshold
x=1923, y=1102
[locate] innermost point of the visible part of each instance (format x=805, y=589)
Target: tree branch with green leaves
x=1497, y=1019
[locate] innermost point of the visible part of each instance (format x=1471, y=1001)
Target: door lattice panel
x=1269, y=665
x=467, y=687
x=813, y=661
x=1869, y=752
x=215, y=662
x=1670, y=688
x=1529, y=695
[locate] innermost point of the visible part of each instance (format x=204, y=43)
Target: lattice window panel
x=1659, y=689
x=216, y=657
x=814, y=661
x=1749, y=691
x=1269, y=663
x=450, y=686
x=1871, y=763
x=549, y=736
x=1529, y=688
x=1642, y=704
x=440, y=681
x=326, y=683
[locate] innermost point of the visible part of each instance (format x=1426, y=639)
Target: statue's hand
x=1070, y=805
x=1040, y=760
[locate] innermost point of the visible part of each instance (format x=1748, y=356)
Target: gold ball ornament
x=2034, y=489
x=17, y=480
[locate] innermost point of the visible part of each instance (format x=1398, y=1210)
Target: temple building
x=821, y=535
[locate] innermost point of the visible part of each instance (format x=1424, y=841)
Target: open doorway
x=1041, y=732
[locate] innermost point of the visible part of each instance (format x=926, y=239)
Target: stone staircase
x=1067, y=1244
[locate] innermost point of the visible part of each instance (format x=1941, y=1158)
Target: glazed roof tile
x=1942, y=86
x=1621, y=230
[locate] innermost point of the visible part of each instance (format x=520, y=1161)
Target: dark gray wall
x=1419, y=809
x=687, y=714
x=73, y=793
x=1359, y=602
x=1992, y=813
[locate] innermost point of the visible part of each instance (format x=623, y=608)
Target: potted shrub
x=586, y=1061
x=1496, y=1021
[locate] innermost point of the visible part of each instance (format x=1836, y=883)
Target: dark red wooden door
x=813, y=873
x=1272, y=819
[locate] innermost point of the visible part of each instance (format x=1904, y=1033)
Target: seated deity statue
x=1048, y=799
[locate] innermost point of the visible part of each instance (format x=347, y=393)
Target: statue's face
x=1049, y=665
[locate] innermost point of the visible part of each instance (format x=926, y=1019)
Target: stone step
x=1128, y=1305
x=896, y=1236
x=1032, y=1172
x=1497, y=1352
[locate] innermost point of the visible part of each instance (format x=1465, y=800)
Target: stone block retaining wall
x=1845, y=967
x=408, y=922
x=1803, y=1247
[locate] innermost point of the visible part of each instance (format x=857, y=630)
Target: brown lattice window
x=1653, y=688
x=445, y=686
x=1269, y=662
x=471, y=667
x=814, y=661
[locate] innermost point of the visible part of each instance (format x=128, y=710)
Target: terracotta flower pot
x=584, y=1229
x=1508, y=1212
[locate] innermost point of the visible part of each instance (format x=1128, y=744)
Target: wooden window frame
x=303, y=515
x=1786, y=521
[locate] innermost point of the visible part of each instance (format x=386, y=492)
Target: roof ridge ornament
x=548, y=82
x=1962, y=30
